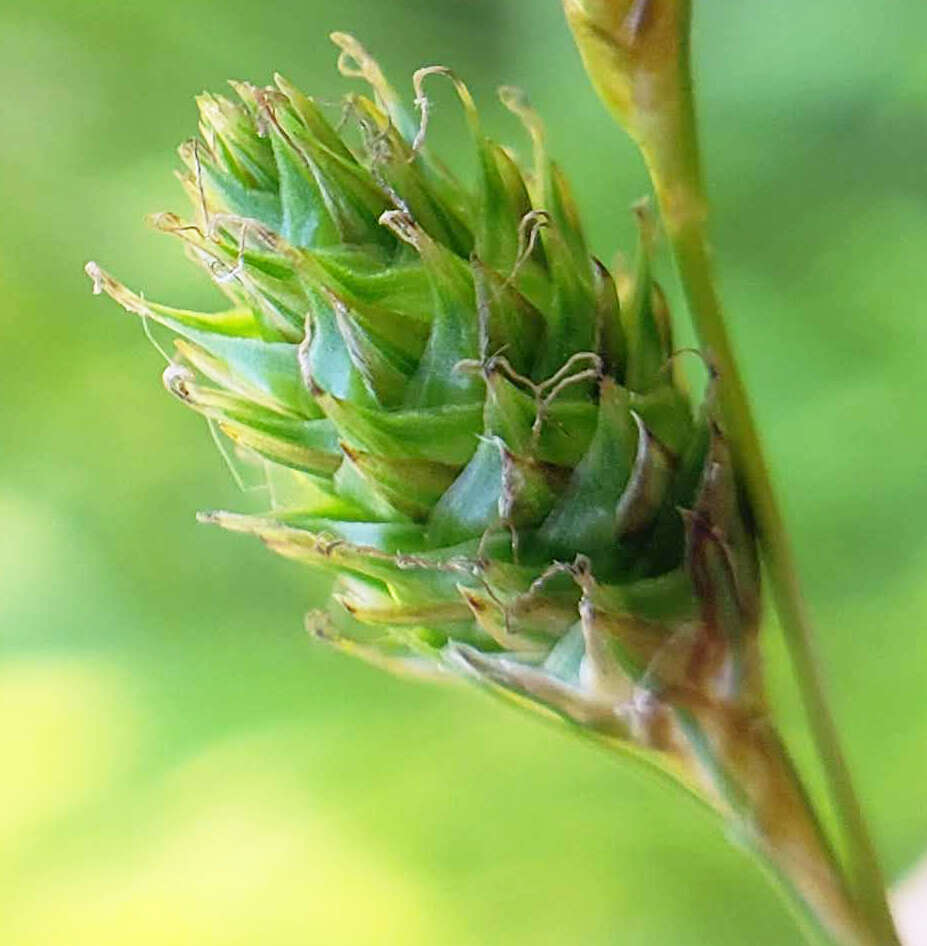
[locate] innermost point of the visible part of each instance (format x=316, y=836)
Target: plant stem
x=865, y=876
x=683, y=206
x=764, y=802
x=637, y=54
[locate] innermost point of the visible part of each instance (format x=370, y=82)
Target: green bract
x=486, y=444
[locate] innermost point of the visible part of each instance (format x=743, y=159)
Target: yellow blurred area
x=67, y=732
x=225, y=848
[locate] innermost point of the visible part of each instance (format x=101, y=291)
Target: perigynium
x=483, y=433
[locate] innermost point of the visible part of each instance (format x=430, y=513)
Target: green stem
x=680, y=193
x=812, y=886
x=637, y=55
x=865, y=876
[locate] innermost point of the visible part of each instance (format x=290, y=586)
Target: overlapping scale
x=499, y=466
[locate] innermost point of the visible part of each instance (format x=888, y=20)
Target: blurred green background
x=180, y=764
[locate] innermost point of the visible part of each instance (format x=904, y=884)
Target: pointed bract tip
x=177, y=379
x=463, y=659
x=402, y=225
x=233, y=521
x=96, y=275
x=237, y=522
x=103, y=282
x=164, y=221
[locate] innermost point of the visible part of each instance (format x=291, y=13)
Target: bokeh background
x=180, y=765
